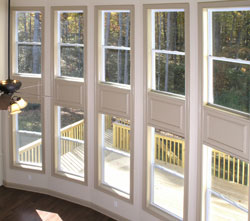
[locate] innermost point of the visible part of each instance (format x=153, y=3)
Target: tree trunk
x=119, y=71
x=35, y=50
x=167, y=56
x=126, y=52
x=159, y=47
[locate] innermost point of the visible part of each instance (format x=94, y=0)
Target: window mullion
x=169, y=52
x=232, y=60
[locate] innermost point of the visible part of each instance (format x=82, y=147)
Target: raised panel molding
x=30, y=87
x=114, y=100
x=168, y=113
x=70, y=92
x=227, y=132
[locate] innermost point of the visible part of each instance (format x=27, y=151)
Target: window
x=115, y=154
x=70, y=44
x=227, y=187
x=27, y=127
x=168, y=51
x=167, y=171
x=116, y=46
x=70, y=142
x=229, y=58
x=28, y=42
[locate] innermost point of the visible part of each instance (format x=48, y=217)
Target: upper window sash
x=28, y=42
x=117, y=49
x=166, y=53
x=227, y=51
x=70, y=51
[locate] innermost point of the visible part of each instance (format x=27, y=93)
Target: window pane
x=71, y=27
x=232, y=85
x=117, y=29
x=29, y=25
x=117, y=67
x=221, y=211
x=229, y=183
x=116, y=153
x=167, y=180
x=231, y=34
x=29, y=59
x=169, y=31
x=170, y=73
x=71, y=141
x=29, y=135
x=72, y=61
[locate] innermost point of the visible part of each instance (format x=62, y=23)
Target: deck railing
x=172, y=150
x=70, y=135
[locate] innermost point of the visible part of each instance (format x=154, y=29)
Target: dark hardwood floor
x=18, y=205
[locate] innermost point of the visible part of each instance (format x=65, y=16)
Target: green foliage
x=70, y=116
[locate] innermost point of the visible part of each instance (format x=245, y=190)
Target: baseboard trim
x=65, y=197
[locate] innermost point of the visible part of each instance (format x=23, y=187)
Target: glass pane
x=29, y=135
x=117, y=29
x=29, y=59
x=221, y=211
x=170, y=73
x=116, y=156
x=71, y=27
x=169, y=31
x=230, y=179
x=117, y=66
x=232, y=85
x=231, y=34
x=168, y=171
x=71, y=145
x=29, y=26
x=72, y=59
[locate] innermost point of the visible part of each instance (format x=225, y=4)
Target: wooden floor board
x=18, y=205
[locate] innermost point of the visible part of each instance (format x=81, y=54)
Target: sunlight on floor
x=46, y=216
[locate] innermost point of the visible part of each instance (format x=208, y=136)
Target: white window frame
x=104, y=47
x=209, y=191
x=58, y=170
x=60, y=44
x=154, y=51
x=39, y=167
x=211, y=57
x=103, y=148
x=17, y=43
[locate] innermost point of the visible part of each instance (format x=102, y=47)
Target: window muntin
x=28, y=136
x=28, y=42
x=71, y=44
x=70, y=143
x=168, y=51
x=167, y=153
x=116, y=46
x=227, y=187
x=229, y=58
x=115, y=154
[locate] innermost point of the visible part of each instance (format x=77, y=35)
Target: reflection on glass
x=228, y=197
x=29, y=59
x=29, y=135
x=167, y=178
x=231, y=85
x=117, y=68
x=116, y=153
x=72, y=61
x=29, y=26
x=231, y=34
x=117, y=29
x=169, y=31
x=170, y=73
x=71, y=27
x=71, y=141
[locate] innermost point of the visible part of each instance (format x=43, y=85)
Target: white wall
x=3, y=71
